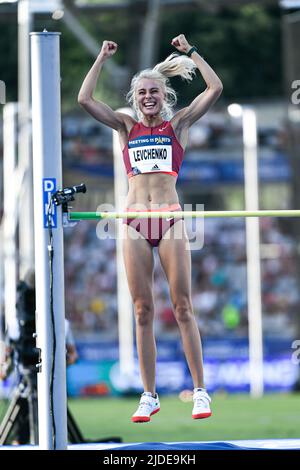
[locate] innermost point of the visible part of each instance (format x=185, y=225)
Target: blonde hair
x=174, y=65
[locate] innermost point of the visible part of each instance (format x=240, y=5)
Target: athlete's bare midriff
x=151, y=190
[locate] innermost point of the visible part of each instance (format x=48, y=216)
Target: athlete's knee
x=183, y=310
x=143, y=311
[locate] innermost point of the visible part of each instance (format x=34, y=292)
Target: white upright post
x=47, y=172
x=26, y=236
x=10, y=216
x=253, y=254
x=125, y=314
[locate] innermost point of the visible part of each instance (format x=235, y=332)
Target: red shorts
x=153, y=229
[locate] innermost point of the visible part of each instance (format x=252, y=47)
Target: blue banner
x=226, y=368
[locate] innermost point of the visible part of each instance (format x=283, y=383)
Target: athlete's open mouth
x=149, y=105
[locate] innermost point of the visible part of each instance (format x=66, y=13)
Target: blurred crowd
x=85, y=142
x=219, y=277
x=219, y=282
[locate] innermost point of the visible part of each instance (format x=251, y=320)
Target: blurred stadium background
x=253, y=46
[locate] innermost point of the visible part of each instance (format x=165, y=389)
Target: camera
x=67, y=194
x=27, y=354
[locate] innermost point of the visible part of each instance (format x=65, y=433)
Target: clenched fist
x=108, y=49
x=181, y=43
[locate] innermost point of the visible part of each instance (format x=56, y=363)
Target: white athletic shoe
x=148, y=406
x=201, y=404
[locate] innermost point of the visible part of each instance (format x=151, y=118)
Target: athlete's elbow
x=218, y=88
x=83, y=100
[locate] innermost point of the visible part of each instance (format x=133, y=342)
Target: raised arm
x=205, y=100
x=99, y=110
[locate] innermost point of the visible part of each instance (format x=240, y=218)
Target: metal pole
x=46, y=120
x=253, y=254
x=10, y=217
x=149, y=36
x=125, y=316
x=26, y=236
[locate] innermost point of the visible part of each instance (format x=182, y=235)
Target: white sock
x=149, y=394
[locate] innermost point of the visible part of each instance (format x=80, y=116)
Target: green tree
x=242, y=44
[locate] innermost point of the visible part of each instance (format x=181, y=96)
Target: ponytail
x=175, y=65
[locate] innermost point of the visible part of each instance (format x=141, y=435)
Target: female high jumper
x=153, y=149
